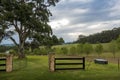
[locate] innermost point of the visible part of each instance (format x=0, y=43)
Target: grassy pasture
x=106, y=51
x=36, y=68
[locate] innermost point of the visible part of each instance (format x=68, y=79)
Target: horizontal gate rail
x=70, y=63
x=2, y=69
x=68, y=68
x=2, y=64
x=68, y=58
x=2, y=59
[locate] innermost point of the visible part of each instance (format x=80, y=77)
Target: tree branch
x=26, y=33
x=16, y=27
x=14, y=41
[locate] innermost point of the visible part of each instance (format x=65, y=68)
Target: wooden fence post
x=84, y=63
x=51, y=62
x=9, y=63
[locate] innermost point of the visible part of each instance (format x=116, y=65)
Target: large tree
x=25, y=18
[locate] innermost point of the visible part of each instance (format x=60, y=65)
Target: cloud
x=59, y=23
x=116, y=9
x=85, y=17
x=74, y=17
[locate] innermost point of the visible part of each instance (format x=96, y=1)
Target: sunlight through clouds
x=58, y=24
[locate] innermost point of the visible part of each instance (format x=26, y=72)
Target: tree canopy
x=25, y=18
x=102, y=37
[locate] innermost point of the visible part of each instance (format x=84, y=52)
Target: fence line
x=53, y=63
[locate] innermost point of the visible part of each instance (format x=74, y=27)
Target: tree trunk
x=21, y=55
x=21, y=51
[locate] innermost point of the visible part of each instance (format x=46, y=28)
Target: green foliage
x=57, y=50
x=1, y=34
x=40, y=51
x=34, y=44
x=2, y=55
x=27, y=52
x=102, y=37
x=55, y=40
x=61, y=40
x=80, y=48
x=12, y=51
x=36, y=51
x=64, y=50
x=72, y=50
x=27, y=18
x=99, y=49
x=118, y=42
x=87, y=48
x=4, y=48
x=43, y=51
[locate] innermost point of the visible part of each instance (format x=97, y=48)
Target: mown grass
x=36, y=68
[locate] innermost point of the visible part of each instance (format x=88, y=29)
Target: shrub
x=36, y=51
x=14, y=52
x=43, y=51
x=99, y=49
x=26, y=51
x=87, y=48
x=64, y=50
x=57, y=50
x=79, y=48
x=72, y=50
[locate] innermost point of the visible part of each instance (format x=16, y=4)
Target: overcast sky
x=75, y=17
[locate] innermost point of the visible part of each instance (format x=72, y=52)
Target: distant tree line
x=84, y=49
x=102, y=37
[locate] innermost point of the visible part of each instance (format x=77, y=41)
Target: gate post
x=9, y=63
x=51, y=62
x=84, y=63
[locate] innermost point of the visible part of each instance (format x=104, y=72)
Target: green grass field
x=36, y=68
